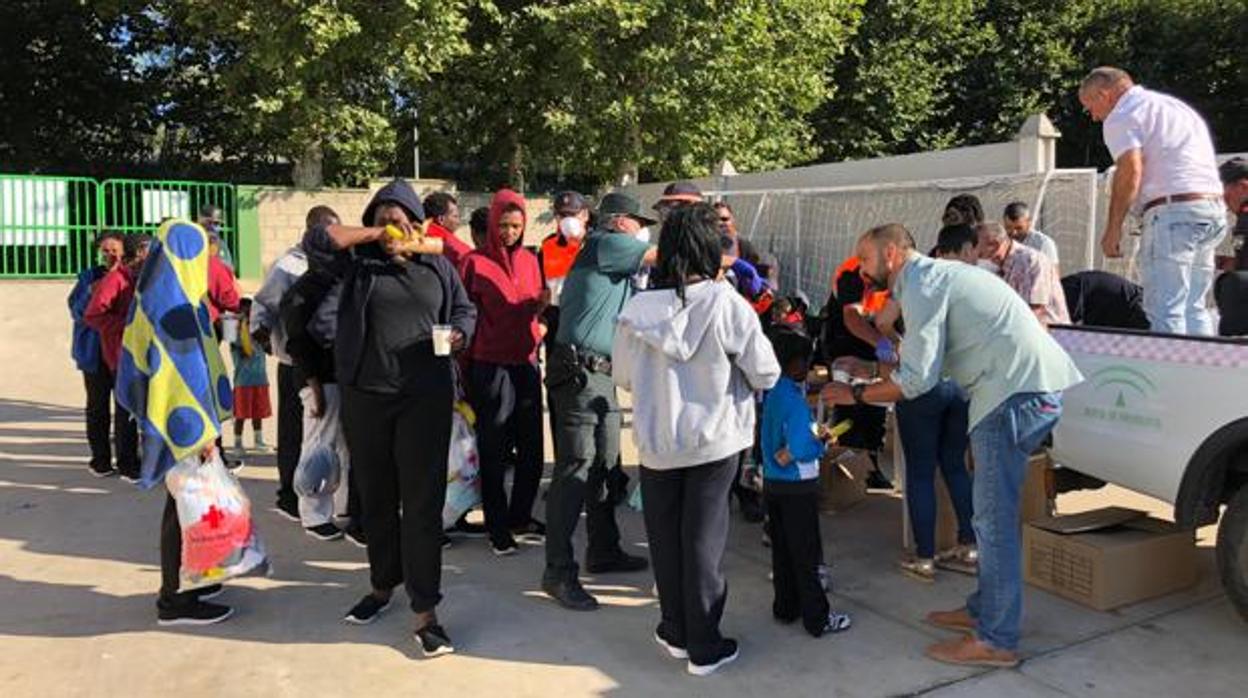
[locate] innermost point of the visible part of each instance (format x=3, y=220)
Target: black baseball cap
x=569, y=203
x=1234, y=170
x=682, y=192
x=621, y=204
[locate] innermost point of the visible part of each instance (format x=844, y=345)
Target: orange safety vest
x=872, y=301
x=558, y=255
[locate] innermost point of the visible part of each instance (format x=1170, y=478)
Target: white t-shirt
x=1042, y=243
x=1173, y=140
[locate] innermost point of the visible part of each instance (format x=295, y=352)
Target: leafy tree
x=317, y=82
x=610, y=88
x=70, y=91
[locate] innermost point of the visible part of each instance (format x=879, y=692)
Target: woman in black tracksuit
x=397, y=397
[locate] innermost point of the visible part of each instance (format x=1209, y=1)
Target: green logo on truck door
x=1124, y=395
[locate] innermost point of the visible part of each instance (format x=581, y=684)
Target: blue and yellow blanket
x=170, y=376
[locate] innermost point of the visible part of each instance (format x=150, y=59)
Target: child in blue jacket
x=792, y=445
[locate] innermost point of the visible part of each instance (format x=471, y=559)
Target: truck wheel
x=1233, y=551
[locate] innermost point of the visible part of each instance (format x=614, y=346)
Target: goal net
x=811, y=231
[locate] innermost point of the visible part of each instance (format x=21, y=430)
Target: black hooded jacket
x=357, y=269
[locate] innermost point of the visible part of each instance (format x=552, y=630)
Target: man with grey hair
x=1017, y=222
x=1166, y=171
x=1028, y=272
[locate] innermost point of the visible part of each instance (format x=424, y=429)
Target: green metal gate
x=48, y=224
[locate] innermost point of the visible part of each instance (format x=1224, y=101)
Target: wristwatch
x=856, y=391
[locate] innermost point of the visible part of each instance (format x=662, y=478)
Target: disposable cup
x=442, y=340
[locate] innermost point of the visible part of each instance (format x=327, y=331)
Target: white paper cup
x=441, y=340
x=229, y=327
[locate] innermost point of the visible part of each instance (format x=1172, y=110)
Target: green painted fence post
x=249, y=262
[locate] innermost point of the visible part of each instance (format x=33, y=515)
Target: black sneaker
x=434, y=641
x=211, y=591
x=367, y=610
x=503, y=547
x=325, y=531
x=468, y=530
x=621, y=562
x=675, y=650
x=193, y=613
x=877, y=481
x=102, y=471
x=570, y=594
x=532, y=532
x=355, y=534
x=288, y=509
x=727, y=654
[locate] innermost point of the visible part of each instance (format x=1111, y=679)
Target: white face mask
x=571, y=227
x=988, y=265
x=643, y=235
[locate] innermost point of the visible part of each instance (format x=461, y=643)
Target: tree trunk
x=515, y=166
x=309, y=167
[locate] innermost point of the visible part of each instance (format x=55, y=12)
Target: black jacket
x=357, y=269
x=299, y=305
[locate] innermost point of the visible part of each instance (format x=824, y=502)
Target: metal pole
x=797, y=219
x=1094, y=194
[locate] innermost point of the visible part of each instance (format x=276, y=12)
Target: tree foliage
x=580, y=91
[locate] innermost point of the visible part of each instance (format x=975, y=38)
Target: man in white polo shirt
x=1167, y=171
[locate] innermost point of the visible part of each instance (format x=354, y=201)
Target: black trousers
x=99, y=386
x=796, y=553
x=171, y=557
x=126, y=433
x=508, y=403
x=588, y=436
x=399, y=446
x=686, y=512
x=289, y=431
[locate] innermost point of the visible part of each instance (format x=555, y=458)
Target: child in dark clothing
x=792, y=444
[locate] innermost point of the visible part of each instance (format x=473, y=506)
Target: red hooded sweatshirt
x=108, y=309
x=505, y=283
x=454, y=249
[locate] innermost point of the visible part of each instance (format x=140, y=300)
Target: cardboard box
x=1108, y=558
x=843, y=478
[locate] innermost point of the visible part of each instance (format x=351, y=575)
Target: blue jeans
x=1002, y=443
x=1176, y=261
x=933, y=434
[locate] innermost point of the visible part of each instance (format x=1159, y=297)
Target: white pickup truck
x=1165, y=415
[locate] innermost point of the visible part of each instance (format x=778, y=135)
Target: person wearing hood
x=397, y=391
x=692, y=353
x=504, y=280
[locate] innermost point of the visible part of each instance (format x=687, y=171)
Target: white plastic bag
x=219, y=538
x=463, y=486
x=320, y=466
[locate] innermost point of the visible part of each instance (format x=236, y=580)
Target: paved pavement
x=78, y=571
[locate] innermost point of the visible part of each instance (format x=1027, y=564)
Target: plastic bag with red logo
x=219, y=538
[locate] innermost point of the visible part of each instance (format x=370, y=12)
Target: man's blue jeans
x=1176, y=261
x=1002, y=443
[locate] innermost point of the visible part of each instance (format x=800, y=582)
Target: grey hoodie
x=693, y=369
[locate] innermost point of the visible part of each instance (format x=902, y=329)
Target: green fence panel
x=138, y=206
x=47, y=225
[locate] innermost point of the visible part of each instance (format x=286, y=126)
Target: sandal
x=922, y=569
x=960, y=558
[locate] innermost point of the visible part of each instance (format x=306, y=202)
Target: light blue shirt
x=968, y=324
x=1040, y=242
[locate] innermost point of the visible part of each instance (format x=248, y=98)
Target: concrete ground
x=78, y=568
